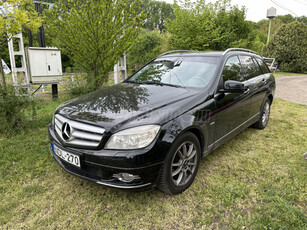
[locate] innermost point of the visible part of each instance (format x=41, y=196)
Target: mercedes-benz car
x=153, y=129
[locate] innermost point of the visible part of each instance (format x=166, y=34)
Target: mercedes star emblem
x=66, y=131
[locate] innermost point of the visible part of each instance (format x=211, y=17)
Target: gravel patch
x=292, y=88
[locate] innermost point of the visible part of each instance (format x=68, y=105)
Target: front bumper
x=104, y=175
x=100, y=168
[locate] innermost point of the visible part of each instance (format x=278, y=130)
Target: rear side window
x=258, y=70
x=250, y=67
x=263, y=66
x=233, y=70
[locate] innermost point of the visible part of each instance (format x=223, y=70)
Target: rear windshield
x=179, y=71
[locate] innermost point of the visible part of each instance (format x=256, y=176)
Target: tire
x=181, y=165
x=264, y=115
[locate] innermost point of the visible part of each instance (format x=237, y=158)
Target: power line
x=301, y=2
x=283, y=7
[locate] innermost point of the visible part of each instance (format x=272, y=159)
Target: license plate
x=68, y=157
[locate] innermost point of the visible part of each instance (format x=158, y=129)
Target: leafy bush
x=255, y=41
x=80, y=86
x=149, y=45
x=15, y=111
x=289, y=47
x=199, y=25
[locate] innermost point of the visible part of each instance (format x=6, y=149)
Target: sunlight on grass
x=283, y=74
x=256, y=180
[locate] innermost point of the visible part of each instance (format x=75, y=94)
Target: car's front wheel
x=181, y=165
x=264, y=116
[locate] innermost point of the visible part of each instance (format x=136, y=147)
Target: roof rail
x=176, y=51
x=239, y=49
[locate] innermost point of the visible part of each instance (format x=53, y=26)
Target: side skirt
x=231, y=134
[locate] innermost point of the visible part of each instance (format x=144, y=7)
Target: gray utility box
x=271, y=13
x=44, y=65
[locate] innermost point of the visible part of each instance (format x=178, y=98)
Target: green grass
x=282, y=74
x=255, y=181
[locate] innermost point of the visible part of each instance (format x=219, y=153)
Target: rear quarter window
x=263, y=66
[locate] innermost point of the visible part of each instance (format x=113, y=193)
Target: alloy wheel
x=184, y=164
x=266, y=113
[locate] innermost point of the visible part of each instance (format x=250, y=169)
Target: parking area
x=292, y=88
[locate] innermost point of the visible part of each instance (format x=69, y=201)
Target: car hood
x=136, y=104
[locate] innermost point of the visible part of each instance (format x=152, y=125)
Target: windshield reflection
x=183, y=71
x=100, y=104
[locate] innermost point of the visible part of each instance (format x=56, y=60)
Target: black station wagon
x=154, y=128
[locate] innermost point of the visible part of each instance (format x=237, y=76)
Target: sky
x=257, y=9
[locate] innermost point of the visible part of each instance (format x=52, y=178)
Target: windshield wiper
x=155, y=83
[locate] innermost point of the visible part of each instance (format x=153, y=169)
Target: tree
x=263, y=26
x=289, y=47
x=302, y=19
x=95, y=33
x=15, y=15
x=255, y=41
x=277, y=22
x=192, y=27
x=201, y=26
x=157, y=13
x=230, y=25
x=149, y=45
x=288, y=18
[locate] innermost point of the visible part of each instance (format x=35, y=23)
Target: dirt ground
x=292, y=88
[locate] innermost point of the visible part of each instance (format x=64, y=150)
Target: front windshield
x=178, y=71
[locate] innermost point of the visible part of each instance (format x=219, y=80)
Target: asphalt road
x=292, y=88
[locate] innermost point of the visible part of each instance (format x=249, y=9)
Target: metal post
x=269, y=32
x=30, y=38
x=116, y=73
x=54, y=90
x=41, y=32
x=120, y=70
x=42, y=43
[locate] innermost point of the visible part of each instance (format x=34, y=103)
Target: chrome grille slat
x=83, y=143
x=82, y=134
x=87, y=128
x=58, y=124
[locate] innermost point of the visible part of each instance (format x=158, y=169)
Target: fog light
x=126, y=177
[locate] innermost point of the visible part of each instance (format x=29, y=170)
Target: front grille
x=78, y=134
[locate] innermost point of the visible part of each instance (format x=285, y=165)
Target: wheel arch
x=198, y=133
x=270, y=96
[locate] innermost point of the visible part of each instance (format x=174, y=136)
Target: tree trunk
x=2, y=74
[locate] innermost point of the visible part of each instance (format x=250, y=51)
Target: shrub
x=289, y=47
x=80, y=86
x=149, y=45
x=14, y=111
x=255, y=41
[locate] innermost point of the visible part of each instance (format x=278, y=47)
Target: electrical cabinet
x=44, y=64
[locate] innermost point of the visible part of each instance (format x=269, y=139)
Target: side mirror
x=233, y=86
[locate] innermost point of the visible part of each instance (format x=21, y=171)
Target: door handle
x=49, y=67
x=264, y=80
x=246, y=91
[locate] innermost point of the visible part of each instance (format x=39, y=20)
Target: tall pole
x=271, y=13
x=42, y=43
x=269, y=31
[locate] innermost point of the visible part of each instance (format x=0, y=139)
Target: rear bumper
x=103, y=175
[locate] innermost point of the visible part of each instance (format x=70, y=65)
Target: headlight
x=134, y=138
